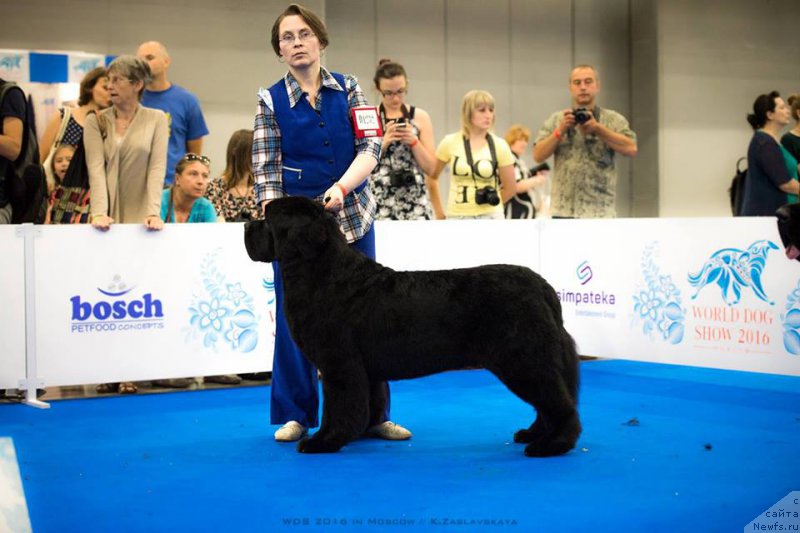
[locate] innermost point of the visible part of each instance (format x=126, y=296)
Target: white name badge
x=366, y=122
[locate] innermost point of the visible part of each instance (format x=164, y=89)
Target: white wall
x=715, y=57
x=698, y=64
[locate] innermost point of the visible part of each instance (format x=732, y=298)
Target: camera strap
x=471, y=162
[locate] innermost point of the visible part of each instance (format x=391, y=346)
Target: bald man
x=585, y=140
x=187, y=127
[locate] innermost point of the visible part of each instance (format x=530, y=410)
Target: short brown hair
x=585, y=66
x=313, y=21
x=517, y=132
x=88, y=82
x=388, y=69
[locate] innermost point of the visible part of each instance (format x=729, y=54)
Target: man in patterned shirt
x=585, y=144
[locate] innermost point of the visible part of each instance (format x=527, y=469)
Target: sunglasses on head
x=195, y=157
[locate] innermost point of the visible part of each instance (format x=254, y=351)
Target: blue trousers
x=295, y=387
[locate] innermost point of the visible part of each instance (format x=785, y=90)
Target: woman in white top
x=481, y=164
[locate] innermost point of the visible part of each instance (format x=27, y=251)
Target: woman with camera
x=522, y=204
x=481, y=164
x=399, y=182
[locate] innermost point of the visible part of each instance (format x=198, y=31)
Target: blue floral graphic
x=223, y=311
x=791, y=322
x=658, y=305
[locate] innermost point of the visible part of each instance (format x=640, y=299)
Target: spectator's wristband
x=414, y=143
x=557, y=133
x=341, y=187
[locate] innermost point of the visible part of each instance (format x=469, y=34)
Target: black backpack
x=25, y=179
x=736, y=190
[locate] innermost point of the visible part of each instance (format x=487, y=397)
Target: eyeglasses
x=116, y=80
x=287, y=39
x=195, y=157
x=398, y=92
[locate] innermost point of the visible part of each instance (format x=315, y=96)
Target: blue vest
x=316, y=148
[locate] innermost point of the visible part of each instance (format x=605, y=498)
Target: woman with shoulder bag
x=67, y=126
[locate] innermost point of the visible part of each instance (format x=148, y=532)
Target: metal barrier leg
x=31, y=382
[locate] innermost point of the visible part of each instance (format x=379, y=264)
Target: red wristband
x=557, y=134
x=341, y=187
x=414, y=143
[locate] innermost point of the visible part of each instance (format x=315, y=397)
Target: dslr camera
x=487, y=195
x=402, y=178
x=538, y=168
x=582, y=115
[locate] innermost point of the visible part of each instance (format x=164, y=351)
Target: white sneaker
x=388, y=431
x=291, y=431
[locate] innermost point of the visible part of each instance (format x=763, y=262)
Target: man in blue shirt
x=187, y=127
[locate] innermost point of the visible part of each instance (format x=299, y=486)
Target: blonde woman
x=481, y=164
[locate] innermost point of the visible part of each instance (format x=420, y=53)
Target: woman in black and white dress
x=399, y=182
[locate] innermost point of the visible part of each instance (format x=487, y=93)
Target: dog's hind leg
x=345, y=409
x=557, y=426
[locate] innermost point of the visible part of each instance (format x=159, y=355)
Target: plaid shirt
x=358, y=212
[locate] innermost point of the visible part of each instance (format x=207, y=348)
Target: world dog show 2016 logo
x=588, y=301
x=116, y=309
x=737, y=313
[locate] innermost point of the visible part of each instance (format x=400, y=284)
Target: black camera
x=582, y=115
x=538, y=168
x=487, y=195
x=402, y=178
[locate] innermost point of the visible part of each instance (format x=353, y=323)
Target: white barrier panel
x=12, y=312
x=423, y=245
x=134, y=305
x=704, y=292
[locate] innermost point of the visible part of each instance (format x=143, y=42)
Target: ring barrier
x=84, y=306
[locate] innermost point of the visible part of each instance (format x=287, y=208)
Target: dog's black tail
x=569, y=352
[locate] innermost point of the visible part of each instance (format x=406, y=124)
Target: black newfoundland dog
x=362, y=323
x=789, y=228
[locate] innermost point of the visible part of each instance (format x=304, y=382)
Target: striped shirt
x=359, y=209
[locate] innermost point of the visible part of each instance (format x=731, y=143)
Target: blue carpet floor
x=664, y=448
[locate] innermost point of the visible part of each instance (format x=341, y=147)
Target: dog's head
x=292, y=226
x=789, y=228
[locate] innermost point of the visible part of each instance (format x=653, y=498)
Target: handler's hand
x=334, y=198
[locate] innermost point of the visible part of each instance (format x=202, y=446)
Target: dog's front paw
x=313, y=445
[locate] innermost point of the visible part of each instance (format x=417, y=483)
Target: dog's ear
x=258, y=241
x=309, y=239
